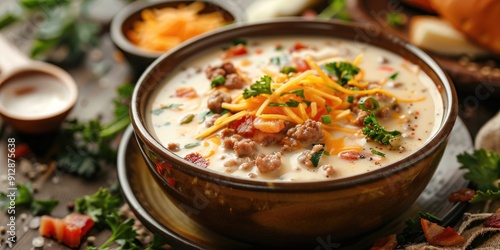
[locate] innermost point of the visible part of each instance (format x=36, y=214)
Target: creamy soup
x=293, y=109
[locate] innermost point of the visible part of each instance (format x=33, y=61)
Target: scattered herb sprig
x=344, y=71
x=23, y=197
x=483, y=170
x=87, y=144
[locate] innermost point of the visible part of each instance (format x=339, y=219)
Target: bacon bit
x=440, y=236
x=237, y=50
x=197, y=159
x=386, y=68
x=244, y=126
x=186, y=92
x=462, y=195
x=351, y=155
x=298, y=46
x=385, y=243
x=492, y=221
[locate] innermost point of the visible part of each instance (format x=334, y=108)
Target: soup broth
x=289, y=109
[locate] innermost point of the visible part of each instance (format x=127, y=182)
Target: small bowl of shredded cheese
x=142, y=31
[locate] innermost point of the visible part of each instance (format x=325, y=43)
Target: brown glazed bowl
x=138, y=58
x=291, y=214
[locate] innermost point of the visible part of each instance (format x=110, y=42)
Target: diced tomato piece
x=236, y=50
x=440, y=236
x=46, y=226
x=386, y=68
x=298, y=46
x=72, y=236
x=301, y=65
x=69, y=230
x=385, y=243
x=82, y=221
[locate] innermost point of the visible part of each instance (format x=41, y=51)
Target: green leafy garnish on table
x=98, y=205
x=377, y=132
x=344, y=71
x=24, y=198
x=335, y=9
x=87, y=144
x=103, y=207
x=483, y=170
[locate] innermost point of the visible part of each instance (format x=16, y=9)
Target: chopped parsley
x=317, y=156
x=160, y=110
x=292, y=103
x=239, y=41
x=343, y=70
x=192, y=145
x=288, y=69
x=350, y=99
x=326, y=119
x=218, y=81
x=368, y=104
x=376, y=152
x=376, y=132
x=394, y=76
x=262, y=86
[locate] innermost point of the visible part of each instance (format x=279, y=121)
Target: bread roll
x=437, y=35
x=479, y=20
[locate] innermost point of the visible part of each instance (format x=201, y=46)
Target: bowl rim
x=135, y=8
x=448, y=97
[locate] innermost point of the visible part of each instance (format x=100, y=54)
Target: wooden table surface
x=96, y=93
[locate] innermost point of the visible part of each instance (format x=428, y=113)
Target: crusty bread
x=479, y=20
x=437, y=35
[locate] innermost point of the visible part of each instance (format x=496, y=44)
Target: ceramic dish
x=161, y=216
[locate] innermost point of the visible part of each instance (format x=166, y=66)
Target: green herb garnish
x=239, y=41
x=262, y=86
x=192, y=145
x=317, y=156
x=374, y=151
x=368, y=104
x=187, y=119
x=98, y=205
x=288, y=69
x=396, y=19
x=394, y=76
x=23, y=197
x=483, y=168
x=160, y=110
x=376, y=132
x=350, y=99
x=326, y=119
x=292, y=103
x=218, y=81
x=343, y=70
